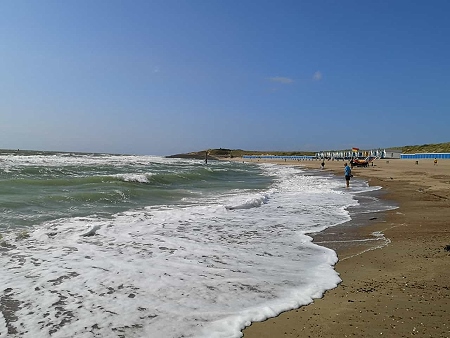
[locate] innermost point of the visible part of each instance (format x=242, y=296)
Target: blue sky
x=164, y=77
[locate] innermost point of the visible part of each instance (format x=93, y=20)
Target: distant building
x=393, y=153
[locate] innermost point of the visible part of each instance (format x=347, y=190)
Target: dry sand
x=400, y=290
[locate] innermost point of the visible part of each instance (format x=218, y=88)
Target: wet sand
x=399, y=290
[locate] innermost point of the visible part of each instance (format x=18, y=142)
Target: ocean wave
x=121, y=246
x=139, y=178
x=254, y=202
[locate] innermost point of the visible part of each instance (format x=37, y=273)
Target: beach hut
x=393, y=153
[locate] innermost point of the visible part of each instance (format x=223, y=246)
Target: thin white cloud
x=280, y=79
x=317, y=76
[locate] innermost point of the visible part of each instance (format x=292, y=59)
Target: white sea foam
x=140, y=178
x=10, y=162
x=199, y=270
x=252, y=202
x=3, y=328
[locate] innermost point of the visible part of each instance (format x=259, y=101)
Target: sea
x=102, y=245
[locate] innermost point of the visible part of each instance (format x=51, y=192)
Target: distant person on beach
x=435, y=161
x=348, y=174
x=323, y=164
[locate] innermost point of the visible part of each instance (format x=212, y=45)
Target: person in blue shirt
x=348, y=174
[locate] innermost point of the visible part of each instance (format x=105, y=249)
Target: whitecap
x=139, y=178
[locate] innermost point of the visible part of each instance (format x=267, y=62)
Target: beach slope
x=400, y=290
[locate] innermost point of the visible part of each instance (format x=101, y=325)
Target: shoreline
x=399, y=290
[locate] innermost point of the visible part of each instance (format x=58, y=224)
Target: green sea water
x=36, y=186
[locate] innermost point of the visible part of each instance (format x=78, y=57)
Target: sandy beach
x=399, y=290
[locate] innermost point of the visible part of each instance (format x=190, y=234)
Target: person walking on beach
x=348, y=174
